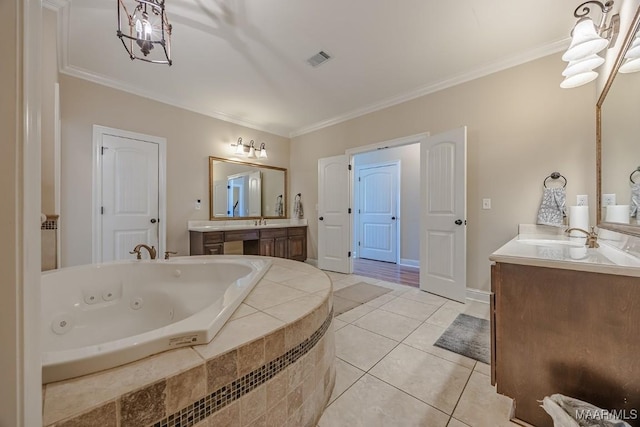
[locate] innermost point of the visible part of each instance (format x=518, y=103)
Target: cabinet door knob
x=153, y=220
x=321, y=218
x=393, y=218
x=458, y=222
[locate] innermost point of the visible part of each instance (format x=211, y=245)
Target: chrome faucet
x=151, y=250
x=592, y=237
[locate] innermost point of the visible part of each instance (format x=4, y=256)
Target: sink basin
x=552, y=242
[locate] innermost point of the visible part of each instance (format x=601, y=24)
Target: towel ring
x=631, y=176
x=555, y=175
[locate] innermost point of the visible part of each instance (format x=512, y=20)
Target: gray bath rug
x=468, y=336
x=352, y=296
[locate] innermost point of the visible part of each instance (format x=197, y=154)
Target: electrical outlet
x=486, y=203
x=608, y=199
x=198, y=204
x=582, y=200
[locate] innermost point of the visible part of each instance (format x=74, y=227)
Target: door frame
x=418, y=138
x=356, y=198
x=96, y=194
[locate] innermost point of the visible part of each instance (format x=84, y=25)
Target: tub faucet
x=151, y=250
x=592, y=237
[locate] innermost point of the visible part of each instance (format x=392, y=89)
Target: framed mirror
x=618, y=145
x=242, y=190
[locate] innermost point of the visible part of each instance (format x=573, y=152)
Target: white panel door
x=219, y=199
x=443, y=252
x=378, y=188
x=255, y=194
x=333, y=214
x=129, y=196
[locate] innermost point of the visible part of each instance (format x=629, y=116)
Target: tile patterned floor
x=388, y=373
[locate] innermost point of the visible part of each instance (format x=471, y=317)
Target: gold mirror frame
x=256, y=165
x=620, y=228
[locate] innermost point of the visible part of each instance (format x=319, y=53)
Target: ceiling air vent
x=319, y=58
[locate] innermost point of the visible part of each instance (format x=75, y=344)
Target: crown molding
x=84, y=74
x=62, y=7
x=486, y=70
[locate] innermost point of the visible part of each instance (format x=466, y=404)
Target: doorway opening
x=386, y=213
x=440, y=214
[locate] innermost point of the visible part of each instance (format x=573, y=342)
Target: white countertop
x=559, y=251
x=246, y=224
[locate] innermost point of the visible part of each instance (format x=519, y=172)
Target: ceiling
x=244, y=61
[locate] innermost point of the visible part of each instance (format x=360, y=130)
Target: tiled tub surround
x=271, y=364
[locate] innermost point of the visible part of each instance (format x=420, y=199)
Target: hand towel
x=298, y=212
x=635, y=199
x=552, y=209
x=279, y=206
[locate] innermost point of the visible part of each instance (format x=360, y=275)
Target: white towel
x=552, y=209
x=298, y=212
x=569, y=412
x=635, y=199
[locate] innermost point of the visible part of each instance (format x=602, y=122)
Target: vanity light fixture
x=250, y=149
x=148, y=27
x=587, y=39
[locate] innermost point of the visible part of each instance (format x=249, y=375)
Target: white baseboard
x=311, y=261
x=478, y=295
x=410, y=262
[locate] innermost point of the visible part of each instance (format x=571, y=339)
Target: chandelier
x=145, y=33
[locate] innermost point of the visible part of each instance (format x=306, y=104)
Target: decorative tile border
x=213, y=402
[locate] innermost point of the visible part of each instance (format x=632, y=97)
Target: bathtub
x=99, y=316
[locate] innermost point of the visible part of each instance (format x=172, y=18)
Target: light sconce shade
x=583, y=65
x=239, y=146
x=579, y=79
x=587, y=39
x=251, y=151
x=263, y=151
x=632, y=57
x=148, y=27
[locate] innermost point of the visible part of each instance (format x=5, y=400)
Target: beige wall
x=49, y=79
x=191, y=139
x=408, y=157
x=521, y=127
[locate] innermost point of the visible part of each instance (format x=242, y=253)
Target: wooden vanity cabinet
x=273, y=242
x=563, y=331
x=297, y=243
x=210, y=243
x=285, y=242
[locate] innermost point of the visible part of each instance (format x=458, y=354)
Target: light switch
x=582, y=200
x=198, y=204
x=608, y=199
x=486, y=203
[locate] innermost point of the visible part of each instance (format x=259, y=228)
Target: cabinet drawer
x=232, y=236
x=213, y=237
x=297, y=231
x=267, y=233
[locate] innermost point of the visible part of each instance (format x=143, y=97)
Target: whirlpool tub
x=96, y=317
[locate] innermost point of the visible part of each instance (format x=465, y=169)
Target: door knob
x=458, y=222
x=153, y=220
x=321, y=218
x=393, y=218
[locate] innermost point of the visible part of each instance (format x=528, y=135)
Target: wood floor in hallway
x=387, y=271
